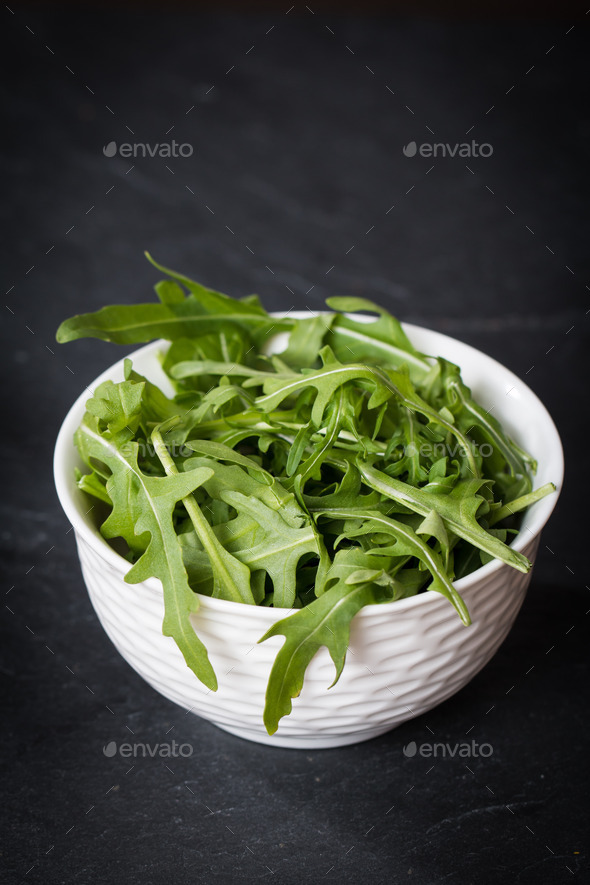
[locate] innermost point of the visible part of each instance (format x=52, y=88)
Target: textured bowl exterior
x=404, y=657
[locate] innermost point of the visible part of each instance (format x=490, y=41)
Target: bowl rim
x=63, y=468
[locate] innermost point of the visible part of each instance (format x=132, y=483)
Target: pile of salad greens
x=345, y=471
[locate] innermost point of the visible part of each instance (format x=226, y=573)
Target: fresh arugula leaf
x=201, y=312
x=382, y=341
x=142, y=514
x=306, y=340
x=458, y=510
x=231, y=578
x=93, y=484
x=281, y=548
x=407, y=542
x=522, y=503
x=324, y=622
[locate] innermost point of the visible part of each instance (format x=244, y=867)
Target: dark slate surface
x=297, y=158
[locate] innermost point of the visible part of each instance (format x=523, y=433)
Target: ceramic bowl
x=404, y=657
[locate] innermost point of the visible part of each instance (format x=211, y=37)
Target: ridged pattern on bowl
x=402, y=659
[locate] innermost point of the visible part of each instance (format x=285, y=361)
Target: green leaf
x=279, y=552
x=324, y=622
x=384, y=385
x=169, y=292
x=306, y=340
x=433, y=526
x=138, y=323
x=231, y=579
x=457, y=508
x=407, y=543
x=94, y=485
x=346, y=494
x=211, y=300
x=519, y=504
x=474, y=415
x=221, y=452
x=382, y=340
x=229, y=477
x=190, y=368
x=118, y=406
x=142, y=514
x=201, y=312
x=155, y=405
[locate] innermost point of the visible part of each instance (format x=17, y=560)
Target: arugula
x=200, y=312
x=324, y=622
x=457, y=509
x=142, y=513
x=349, y=470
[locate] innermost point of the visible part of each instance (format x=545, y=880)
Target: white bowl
x=404, y=657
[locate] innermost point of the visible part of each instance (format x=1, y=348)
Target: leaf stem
x=224, y=564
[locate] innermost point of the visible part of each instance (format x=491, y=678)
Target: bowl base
x=313, y=742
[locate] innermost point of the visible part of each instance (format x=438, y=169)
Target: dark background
x=297, y=121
